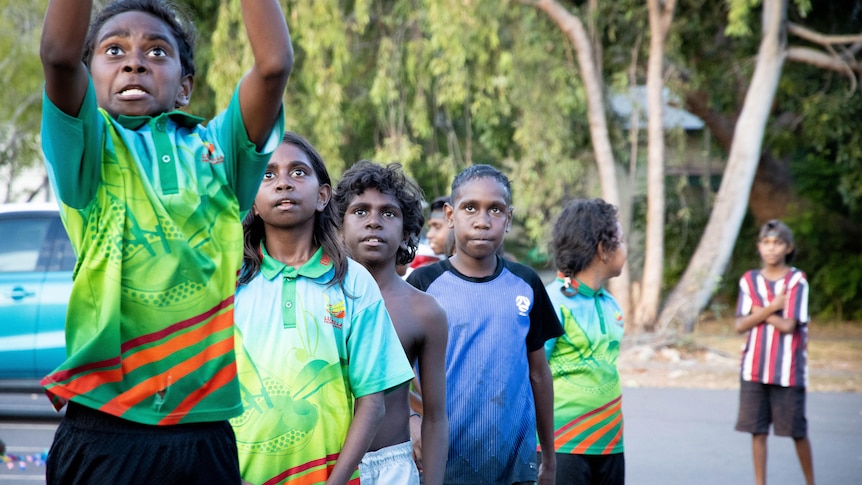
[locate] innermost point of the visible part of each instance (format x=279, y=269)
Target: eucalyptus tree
x=778, y=122
x=647, y=307
x=436, y=85
x=588, y=50
x=21, y=78
x=716, y=244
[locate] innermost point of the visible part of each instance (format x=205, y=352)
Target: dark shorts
x=762, y=404
x=590, y=469
x=94, y=447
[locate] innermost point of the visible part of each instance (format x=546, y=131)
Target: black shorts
x=590, y=469
x=93, y=447
x=762, y=404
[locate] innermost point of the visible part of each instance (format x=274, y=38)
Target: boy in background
x=438, y=227
x=151, y=200
x=773, y=308
x=499, y=389
x=381, y=217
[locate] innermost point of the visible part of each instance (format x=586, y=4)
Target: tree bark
x=646, y=309
x=573, y=28
x=707, y=265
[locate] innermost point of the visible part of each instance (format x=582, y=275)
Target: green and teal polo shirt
x=305, y=350
x=152, y=207
x=588, y=418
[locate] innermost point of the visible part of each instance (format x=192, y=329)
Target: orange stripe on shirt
x=177, y=327
x=613, y=403
x=588, y=441
x=177, y=343
x=86, y=383
x=584, y=425
x=154, y=384
x=613, y=442
x=222, y=377
x=315, y=476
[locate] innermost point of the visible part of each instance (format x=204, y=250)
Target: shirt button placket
x=288, y=297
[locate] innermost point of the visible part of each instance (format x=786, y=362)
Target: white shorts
x=391, y=465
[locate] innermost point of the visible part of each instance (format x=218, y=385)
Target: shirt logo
x=210, y=155
x=523, y=304
x=335, y=315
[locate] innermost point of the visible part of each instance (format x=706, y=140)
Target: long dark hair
x=325, y=223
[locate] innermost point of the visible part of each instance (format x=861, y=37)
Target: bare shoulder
x=423, y=305
x=406, y=303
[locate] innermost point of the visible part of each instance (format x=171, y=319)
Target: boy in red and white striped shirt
x=773, y=308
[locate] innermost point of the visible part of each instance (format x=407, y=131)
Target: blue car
x=36, y=263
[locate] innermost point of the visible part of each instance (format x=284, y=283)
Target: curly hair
x=325, y=223
x=477, y=172
x=389, y=180
x=176, y=17
x=581, y=227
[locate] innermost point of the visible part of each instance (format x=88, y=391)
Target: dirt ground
x=709, y=358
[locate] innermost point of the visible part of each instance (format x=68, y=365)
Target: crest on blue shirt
x=523, y=304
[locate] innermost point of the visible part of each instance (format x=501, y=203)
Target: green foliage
x=833, y=267
x=21, y=78
x=738, y=13
x=233, y=51
x=438, y=85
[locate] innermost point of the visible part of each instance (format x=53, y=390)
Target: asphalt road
x=684, y=436
x=672, y=436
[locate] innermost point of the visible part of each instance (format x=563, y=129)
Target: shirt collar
x=317, y=266
x=573, y=285
x=179, y=117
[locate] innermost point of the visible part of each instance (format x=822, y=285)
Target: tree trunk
x=772, y=189
x=646, y=309
x=707, y=265
x=574, y=30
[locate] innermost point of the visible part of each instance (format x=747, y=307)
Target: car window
x=21, y=243
x=62, y=255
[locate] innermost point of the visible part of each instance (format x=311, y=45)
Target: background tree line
x=527, y=86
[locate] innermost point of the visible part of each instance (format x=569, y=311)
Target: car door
x=30, y=276
x=50, y=344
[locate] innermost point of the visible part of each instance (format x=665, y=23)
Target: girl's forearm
x=369, y=412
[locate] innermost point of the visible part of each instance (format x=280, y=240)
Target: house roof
x=673, y=117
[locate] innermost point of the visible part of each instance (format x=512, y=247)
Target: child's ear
x=184, y=94
x=448, y=212
x=323, y=196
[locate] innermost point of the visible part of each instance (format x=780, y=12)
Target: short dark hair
x=390, y=180
x=581, y=227
x=481, y=171
x=177, y=19
x=776, y=228
x=438, y=203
